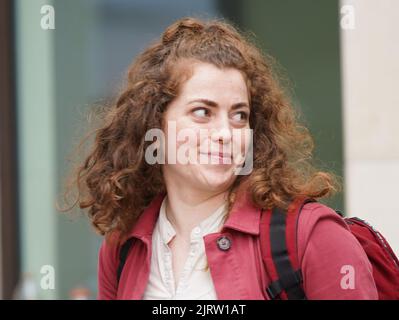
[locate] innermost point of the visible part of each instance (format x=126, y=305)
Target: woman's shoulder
x=109, y=249
x=107, y=268
x=319, y=222
x=326, y=249
x=314, y=213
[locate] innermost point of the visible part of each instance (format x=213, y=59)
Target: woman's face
x=206, y=129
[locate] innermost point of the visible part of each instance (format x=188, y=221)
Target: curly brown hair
x=115, y=182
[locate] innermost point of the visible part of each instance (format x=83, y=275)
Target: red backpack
x=278, y=242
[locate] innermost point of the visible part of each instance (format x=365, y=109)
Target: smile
x=218, y=158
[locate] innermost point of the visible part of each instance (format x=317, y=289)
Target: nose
x=221, y=131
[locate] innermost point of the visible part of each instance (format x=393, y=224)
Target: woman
x=194, y=219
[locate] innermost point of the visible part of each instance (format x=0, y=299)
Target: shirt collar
x=244, y=216
x=208, y=225
x=165, y=227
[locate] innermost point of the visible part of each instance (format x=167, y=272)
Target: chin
x=215, y=179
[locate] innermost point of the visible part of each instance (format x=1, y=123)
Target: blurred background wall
x=60, y=74
x=370, y=68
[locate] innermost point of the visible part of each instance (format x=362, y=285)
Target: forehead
x=208, y=81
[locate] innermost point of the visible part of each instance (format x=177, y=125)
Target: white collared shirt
x=195, y=283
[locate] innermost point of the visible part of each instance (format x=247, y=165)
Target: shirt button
x=197, y=230
x=224, y=243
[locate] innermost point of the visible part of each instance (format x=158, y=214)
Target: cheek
x=181, y=136
x=187, y=135
x=241, y=141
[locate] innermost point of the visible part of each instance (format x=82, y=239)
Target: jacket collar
x=244, y=216
x=147, y=220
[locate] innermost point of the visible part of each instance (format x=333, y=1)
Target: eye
x=240, y=116
x=201, y=112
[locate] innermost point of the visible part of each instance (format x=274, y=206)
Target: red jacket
x=325, y=246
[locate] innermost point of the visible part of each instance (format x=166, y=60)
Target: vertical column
x=76, y=249
x=9, y=235
x=36, y=142
x=370, y=68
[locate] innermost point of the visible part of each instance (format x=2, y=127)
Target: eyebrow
x=211, y=103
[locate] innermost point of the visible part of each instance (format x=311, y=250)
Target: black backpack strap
x=122, y=256
x=289, y=276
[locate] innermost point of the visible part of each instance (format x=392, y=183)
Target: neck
x=186, y=208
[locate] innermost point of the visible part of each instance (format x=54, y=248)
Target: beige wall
x=370, y=86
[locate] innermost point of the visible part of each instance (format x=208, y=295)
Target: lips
x=218, y=154
x=219, y=158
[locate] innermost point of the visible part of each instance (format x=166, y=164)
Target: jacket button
x=224, y=243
